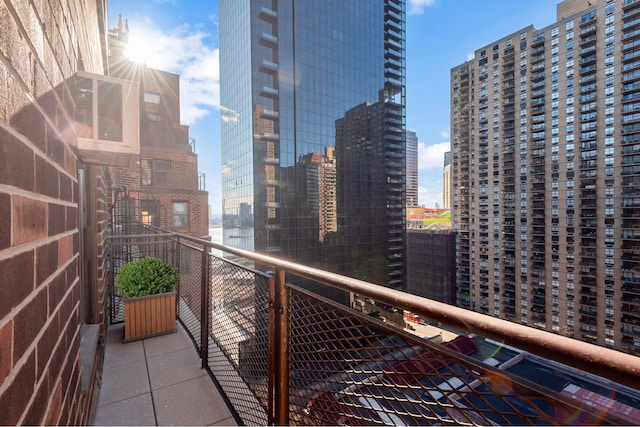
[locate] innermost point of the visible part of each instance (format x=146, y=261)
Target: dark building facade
x=370, y=183
x=431, y=264
x=292, y=73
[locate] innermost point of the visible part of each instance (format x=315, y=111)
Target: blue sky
x=181, y=36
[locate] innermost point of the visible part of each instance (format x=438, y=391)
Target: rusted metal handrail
x=611, y=364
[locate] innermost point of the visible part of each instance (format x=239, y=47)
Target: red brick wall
x=183, y=187
x=40, y=46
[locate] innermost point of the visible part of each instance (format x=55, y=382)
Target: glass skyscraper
x=313, y=132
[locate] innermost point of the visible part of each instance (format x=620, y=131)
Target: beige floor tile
x=168, y=343
x=225, y=422
x=117, y=353
x=123, y=381
x=183, y=393
x=137, y=411
x=193, y=402
x=173, y=368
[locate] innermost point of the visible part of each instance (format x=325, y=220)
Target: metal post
x=272, y=353
x=282, y=351
x=177, y=262
x=205, y=297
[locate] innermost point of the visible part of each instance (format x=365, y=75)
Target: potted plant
x=148, y=286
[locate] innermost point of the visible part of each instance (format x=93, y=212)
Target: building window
x=152, y=106
x=180, y=214
x=149, y=212
x=155, y=172
x=146, y=168
x=161, y=172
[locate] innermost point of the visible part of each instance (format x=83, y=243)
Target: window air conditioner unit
x=107, y=119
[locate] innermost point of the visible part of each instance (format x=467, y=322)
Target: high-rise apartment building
x=446, y=181
x=412, y=169
x=546, y=182
x=306, y=89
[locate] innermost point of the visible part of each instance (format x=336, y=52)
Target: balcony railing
x=284, y=355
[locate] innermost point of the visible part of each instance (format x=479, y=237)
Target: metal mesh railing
x=124, y=249
x=283, y=355
x=238, y=354
x=349, y=369
x=190, y=301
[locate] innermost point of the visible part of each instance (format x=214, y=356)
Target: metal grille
x=190, y=301
x=239, y=338
x=348, y=369
x=124, y=250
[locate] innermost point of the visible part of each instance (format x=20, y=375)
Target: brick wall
x=182, y=187
x=40, y=47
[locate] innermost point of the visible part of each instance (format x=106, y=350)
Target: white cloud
x=416, y=7
x=470, y=56
x=185, y=51
x=444, y=134
x=428, y=197
x=228, y=115
x=432, y=156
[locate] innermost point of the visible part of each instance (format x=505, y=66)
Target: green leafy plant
x=147, y=276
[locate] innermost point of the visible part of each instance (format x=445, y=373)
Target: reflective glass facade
x=313, y=144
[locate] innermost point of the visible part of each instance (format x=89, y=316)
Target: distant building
x=446, y=181
x=546, y=183
x=412, y=169
x=431, y=218
x=164, y=189
x=318, y=185
x=370, y=203
x=431, y=264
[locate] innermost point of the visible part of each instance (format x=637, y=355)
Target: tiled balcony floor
x=157, y=381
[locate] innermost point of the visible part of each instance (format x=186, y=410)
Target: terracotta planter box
x=149, y=316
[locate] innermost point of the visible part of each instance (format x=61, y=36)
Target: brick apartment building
x=164, y=188
x=65, y=128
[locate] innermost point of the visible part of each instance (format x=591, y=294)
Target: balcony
x=280, y=354
x=157, y=380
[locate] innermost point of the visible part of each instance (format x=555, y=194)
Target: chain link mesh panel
x=190, y=306
x=239, y=338
x=349, y=369
x=124, y=250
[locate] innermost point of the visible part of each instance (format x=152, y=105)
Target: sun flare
x=139, y=50
x=136, y=52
